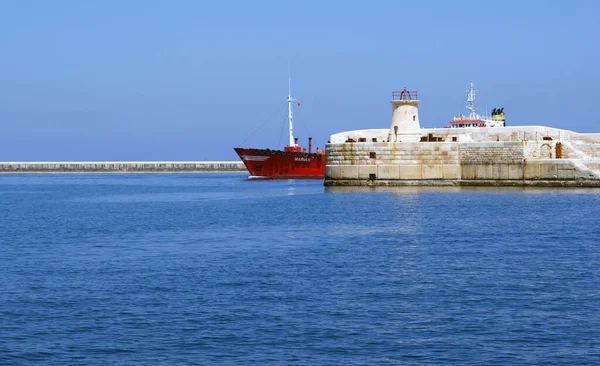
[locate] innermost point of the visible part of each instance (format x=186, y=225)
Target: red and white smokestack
x=310, y=145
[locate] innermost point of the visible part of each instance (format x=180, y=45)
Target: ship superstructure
x=473, y=119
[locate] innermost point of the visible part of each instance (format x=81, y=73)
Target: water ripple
x=214, y=269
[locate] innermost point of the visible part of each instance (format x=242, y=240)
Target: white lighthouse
x=405, y=125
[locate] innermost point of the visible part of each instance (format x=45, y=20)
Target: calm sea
x=218, y=269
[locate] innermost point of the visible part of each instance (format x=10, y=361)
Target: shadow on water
x=453, y=189
x=277, y=179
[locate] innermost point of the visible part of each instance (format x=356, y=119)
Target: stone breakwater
x=504, y=156
x=123, y=167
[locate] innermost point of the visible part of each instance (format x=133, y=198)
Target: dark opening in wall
x=454, y=139
x=372, y=176
x=374, y=139
x=373, y=155
x=558, y=149
x=362, y=139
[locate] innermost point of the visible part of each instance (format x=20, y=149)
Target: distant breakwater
x=123, y=167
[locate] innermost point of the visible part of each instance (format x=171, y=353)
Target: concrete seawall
x=124, y=167
x=517, y=156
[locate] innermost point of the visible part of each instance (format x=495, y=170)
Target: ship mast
x=471, y=101
x=290, y=116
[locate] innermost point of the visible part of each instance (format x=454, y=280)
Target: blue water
x=216, y=269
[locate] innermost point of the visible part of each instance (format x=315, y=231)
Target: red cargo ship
x=293, y=162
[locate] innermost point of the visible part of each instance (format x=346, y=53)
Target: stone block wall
x=393, y=161
x=472, y=162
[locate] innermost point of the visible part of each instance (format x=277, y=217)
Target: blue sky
x=190, y=80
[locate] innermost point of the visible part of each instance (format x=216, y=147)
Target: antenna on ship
x=471, y=101
x=290, y=112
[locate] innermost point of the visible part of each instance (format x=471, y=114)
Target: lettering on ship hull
x=254, y=158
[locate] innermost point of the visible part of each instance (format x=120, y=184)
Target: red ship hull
x=282, y=164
